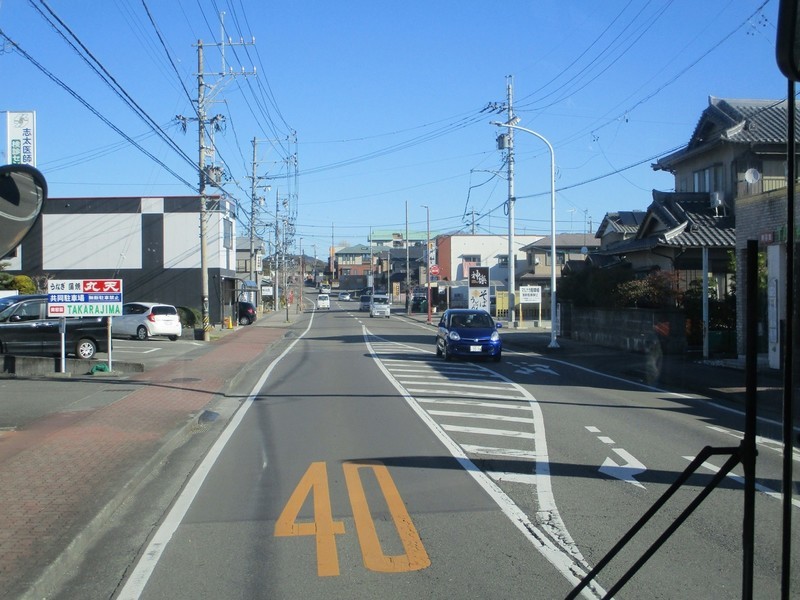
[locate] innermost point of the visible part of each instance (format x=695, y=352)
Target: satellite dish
x=584, y=250
x=752, y=176
x=23, y=191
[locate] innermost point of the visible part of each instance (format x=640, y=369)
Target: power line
x=91, y=108
x=107, y=78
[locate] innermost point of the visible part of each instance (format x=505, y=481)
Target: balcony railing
x=765, y=184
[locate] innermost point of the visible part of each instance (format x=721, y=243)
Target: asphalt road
x=363, y=466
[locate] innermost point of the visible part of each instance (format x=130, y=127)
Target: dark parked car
x=25, y=328
x=245, y=313
x=467, y=332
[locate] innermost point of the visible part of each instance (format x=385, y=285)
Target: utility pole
x=276, y=274
x=201, y=120
x=302, y=279
x=408, y=269
x=371, y=278
x=428, y=260
x=254, y=202
x=206, y=171
x=512, y=285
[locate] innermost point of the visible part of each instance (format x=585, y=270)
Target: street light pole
x=428, y=260
x=553, y=303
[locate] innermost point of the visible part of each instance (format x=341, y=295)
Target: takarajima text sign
x=84, y=298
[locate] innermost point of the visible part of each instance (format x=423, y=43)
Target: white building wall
x=182, y=245
x=91, y=241
x=489, y=248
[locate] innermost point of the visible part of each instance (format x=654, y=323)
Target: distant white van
x=324, y=301
x=380, y=306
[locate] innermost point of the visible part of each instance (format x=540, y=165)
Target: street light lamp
x=513, y=125
x=428, y=260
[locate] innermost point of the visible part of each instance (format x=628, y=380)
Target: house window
x=473, y=259
x=502, y=260
x=227, y=229
x=708, y=179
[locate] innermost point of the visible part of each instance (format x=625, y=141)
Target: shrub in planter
x=190, y=317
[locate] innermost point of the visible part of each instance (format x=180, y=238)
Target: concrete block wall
x=636, y=330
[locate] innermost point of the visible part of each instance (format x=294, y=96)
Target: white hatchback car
x=145, y=319
x=380, y=306
x=323, y=301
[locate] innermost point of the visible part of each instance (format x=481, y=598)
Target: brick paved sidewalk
x=59, y=477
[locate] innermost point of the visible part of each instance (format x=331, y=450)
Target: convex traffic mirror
x=23, y=191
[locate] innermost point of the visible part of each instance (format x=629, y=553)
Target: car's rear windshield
x=377, y=300
x=164, y=310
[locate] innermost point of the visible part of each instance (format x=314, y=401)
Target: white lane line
x=739, y=479
x=134, y=586
x=605, y=439
x=773, y=445
x=659, y=390
x=549, y=535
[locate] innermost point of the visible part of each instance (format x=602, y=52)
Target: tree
x=591, y=286
x=656, y=290
x=6, y=279
x=24, y=284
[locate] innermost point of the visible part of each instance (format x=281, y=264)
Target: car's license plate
x=474, y=348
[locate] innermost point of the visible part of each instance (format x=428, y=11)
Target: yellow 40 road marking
x=315, y=480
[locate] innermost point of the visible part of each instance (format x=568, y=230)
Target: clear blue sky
x=386, y=100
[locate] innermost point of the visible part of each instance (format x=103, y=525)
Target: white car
x=380, y=306
x=323, y=301
x=146, y=319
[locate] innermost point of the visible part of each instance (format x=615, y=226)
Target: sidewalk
x=62, y=472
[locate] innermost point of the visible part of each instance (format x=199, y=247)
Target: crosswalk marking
x=486, y=431
x=466, y=415
x=474, y=403
x=506, y=452
x=454, y=392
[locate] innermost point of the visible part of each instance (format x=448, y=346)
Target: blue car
x=467, y=332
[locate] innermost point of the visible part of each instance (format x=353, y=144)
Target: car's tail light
x=151, y=317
